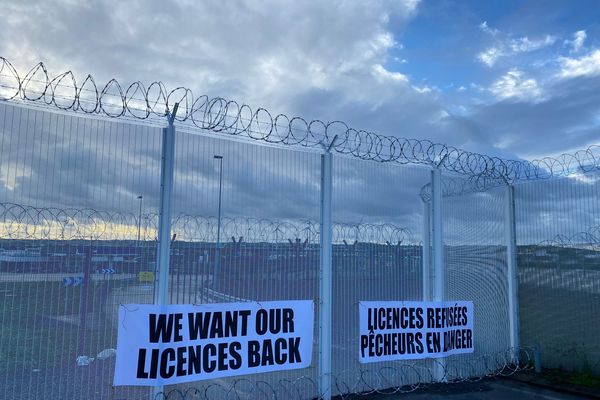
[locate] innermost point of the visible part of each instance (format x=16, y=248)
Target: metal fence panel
x=476, y=270
x=246, y=229
x=377, y=256
x=78, y=225
x=559, y=270
x=70, y=238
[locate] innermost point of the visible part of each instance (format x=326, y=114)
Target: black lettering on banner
x=381, y=317
x=430, y=318
x=404, y=317
x=181, y=361
x=236, y=358
x=371, y=345
x=161, y=329
x=364, y=344
x=419, y=317
x=294, y=350
x=402, y=343
x=439, y=321
x=378, y=347
x=195, y=360
x=419, y=342
x=288, y=320
x=266, y=353
x=222, y=358
x=209, y=364
x=244, y=314
x=280, y=353
x=410, y=343
x=154, y=363
x=178, y=326
x=198, y=325
x=167, y=370
x=141, y=366
x=231, y=319
x=216, y=326
x=253, y=353
x=436, y=342
x=395, y=318
x=274, y=321
x=387, y=344
x=262, y=323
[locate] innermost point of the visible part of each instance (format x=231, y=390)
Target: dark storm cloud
x=327, y=61
x=565, y=120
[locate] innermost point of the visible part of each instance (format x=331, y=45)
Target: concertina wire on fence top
x=398, y=379
x=140, y=102
x=25, y=222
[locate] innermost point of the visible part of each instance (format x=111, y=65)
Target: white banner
x=409, y=330
x=161, y=345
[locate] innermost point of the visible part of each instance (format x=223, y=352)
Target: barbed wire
x=456, y=186
x=590, y=239
x=393, y=378
x=140, y=102
x=19, y=221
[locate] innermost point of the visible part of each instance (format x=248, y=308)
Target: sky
x=515, y=79
x=493, y=76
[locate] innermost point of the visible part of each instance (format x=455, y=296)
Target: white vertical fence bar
x=325, y=289
x=426, y=250
x=167, y=169
x=438, y=254
x=511, y=259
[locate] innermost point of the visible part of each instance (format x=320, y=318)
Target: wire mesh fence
x=79, y=221
x=559, y=270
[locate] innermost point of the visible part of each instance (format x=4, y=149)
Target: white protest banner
x=162, y=345
x=409, y=330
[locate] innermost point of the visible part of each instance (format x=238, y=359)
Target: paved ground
x=492, y=389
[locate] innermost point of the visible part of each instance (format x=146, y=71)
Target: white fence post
x=167, y=169
x=326, y=278
x=511, y=260
x=438, y=255
x=426, y=250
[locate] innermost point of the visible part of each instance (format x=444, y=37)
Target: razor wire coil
x=215, y=114
x=398, y=378
x=27, y=222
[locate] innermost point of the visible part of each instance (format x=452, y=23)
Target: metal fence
x=267, y=207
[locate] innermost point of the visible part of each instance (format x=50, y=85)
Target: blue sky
x=489, y=76
x=510, y=79
x=445, y=37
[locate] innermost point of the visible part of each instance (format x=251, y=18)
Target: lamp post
x=218, y=250
x=140, y=198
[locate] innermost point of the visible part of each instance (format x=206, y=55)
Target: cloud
x=588, y=65
x=383, y=74
x=255, y=53
x=524, y=44
x=506, y=46
x=485, y=27
x=514, y=84
x=577, y=42
x=333, y=61
x=562, y=118
x=490, y=56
